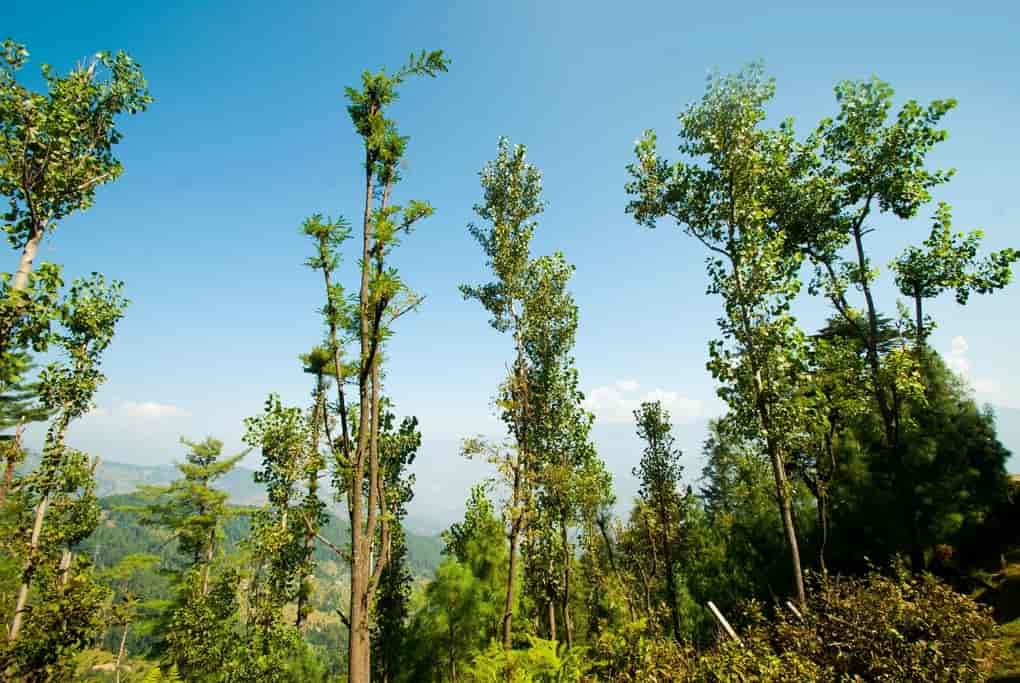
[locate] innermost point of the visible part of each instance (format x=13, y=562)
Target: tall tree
x=198, y=625
x=867, y=165
x=728, y=203
x=86, y=326
x=571, y=480
x=382, y=298
x=279, y=530
x=398, y=447
x=191, y=508
x=511, y=199
x=660, y=488
x=56, y=148
x=317, y=362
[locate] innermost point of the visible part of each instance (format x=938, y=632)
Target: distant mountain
x=116, y=478
x=120, y=479
x=120, y=533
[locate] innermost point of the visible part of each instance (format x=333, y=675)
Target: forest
x=854, y=520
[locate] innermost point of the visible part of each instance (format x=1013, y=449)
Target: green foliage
x=511, y=190
x=63, y=618
x=543, y=661
x=189, y=507
x=58, y=146
x=948, y=261
x=878, y=628
x=200, y=631
x=733, y=196
x=461, y=609
x=158, y=676
x=873, y=628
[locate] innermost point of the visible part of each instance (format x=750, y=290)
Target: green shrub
x=909, y=628
x=872, y=628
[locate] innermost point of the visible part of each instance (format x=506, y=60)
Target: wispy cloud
x=617, y=402
x=957, y=359
x=986, y=389
x=138, y=411
x=150, y=410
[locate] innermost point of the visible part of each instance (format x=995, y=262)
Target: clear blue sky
x=248, y=135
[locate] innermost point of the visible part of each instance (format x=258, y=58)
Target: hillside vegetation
x=853, y=521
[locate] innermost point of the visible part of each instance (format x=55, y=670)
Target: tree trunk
x=207, y=565
x=19, y=282
x=508, y=606
x=65, y=566
x=358, y=644
x=601, y=522
x=674, y=608
x=28, y=254
x=33, y=548
x=568, y=626
x=787, y=514
x=823, y=524
x=453, y=657
x=765, y=419
x=120, y=651
x=5, y=486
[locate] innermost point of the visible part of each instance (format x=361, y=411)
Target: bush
x=889, y=629
x=872, y=628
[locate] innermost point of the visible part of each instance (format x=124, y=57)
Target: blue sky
x=248, y=135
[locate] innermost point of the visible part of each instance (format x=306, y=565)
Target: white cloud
x=150, y=410
x=627, y=385
x=957, y=359
x=986, y=389
x=137, y=411
x=618, y=401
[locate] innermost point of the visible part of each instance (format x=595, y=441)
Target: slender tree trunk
x=612, y=564
x=453, y=657
x=674, y=607
x=33, y=548
x=65, y=566
x=358, y=644
x=646, y=584
x=9, y=466
x=786, y=510
x=823, y=524
x=120, y=651
x=765, y=417
x=208, y=562
x=19, y=282
x=550, y=611
x=28, y=254
x=302, y=598
x=919, y=323
x=890, y=413
x=568, y=626
x=515, y=531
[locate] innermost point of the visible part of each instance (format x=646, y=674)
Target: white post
x=725, y=624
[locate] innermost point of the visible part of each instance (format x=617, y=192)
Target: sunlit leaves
x=56, y=147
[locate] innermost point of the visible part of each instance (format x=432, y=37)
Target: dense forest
x=854, y=521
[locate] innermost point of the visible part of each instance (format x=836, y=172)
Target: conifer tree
x=659, y=481
x=198, y=626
